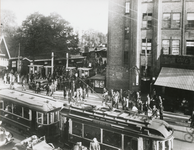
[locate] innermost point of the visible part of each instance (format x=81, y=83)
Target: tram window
x=1, y=104
x=91, y=132
x=8, y=106
x=26, y=113
x=17, y=110
x=51, y=117
x=39, y=117
x=56, y=116
x=166, y=145
x=77, y=128
x=130, y=143
x=45, y=118
x=147, y=144
x=112, y=138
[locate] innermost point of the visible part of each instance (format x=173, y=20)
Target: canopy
x=176, y=78
x=97, y=77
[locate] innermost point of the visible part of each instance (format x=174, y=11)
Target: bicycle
x=189, y=136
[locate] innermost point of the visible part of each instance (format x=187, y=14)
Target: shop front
x=176, y=85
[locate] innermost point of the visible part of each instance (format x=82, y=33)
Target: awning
x=98, y=77
x=176, y=78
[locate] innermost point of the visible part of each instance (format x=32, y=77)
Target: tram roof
x=140, y=124
x=35, y=102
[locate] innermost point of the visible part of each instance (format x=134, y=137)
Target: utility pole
x=52, y=63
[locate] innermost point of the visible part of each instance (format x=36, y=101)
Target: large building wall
x=116, y=73
x=121, y=75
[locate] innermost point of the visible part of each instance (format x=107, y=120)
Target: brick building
x=142, y=34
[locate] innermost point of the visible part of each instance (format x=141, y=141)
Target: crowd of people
x=128, y=100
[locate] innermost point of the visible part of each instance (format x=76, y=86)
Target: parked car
x=42, y=84
x=6, y=137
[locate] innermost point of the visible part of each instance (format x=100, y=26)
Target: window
x=127, y=7
x=40, y=117
x=1, y=104
x=77, y=128
x=147, y=20
x=126, y=32
x=190, y=47
x=126, y=57
x=112, y=138
x=171, y=20
x=146, y=46
x=99, y=84
x=175, y=47
x=90, y=132
x=166, y=47
x=171, y=47
x=190, y=20
x=130, y=143
x=54, y=117
x=17, y=110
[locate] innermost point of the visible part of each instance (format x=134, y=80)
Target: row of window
x=103, y=136
x=115, y=139
x=169, y=19
x=169, y=46
x=26, y=113
x=127, y=4
x=11, y=108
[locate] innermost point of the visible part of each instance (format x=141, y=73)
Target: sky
x=82, y=14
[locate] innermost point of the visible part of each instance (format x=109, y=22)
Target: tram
x=30, y=113
x=114, y=129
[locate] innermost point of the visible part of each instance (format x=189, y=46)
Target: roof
x=32, y=101
x=6, y=47
x=176, y=78
x=97, y=77
x=87, y=69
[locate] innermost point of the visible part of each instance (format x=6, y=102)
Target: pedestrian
x=37, y=87
x=154, y=111
x=23, y=84
x=5, y=78
x=145, y=108
x=161, y=110
x=94, y=145
x=87, y=90
x=47, y=89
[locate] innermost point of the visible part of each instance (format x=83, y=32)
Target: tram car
x=6, y=137
x=114, y=129
x=30, y=113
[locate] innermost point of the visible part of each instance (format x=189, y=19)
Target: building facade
x=140, y=34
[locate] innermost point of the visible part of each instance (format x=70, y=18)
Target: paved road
x=178, y=121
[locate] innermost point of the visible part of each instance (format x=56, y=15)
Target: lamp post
x=52, y=63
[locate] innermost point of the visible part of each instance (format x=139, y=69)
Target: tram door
x=33, y=123
x=66, y=128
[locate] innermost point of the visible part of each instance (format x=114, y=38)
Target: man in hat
x=94, y=145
